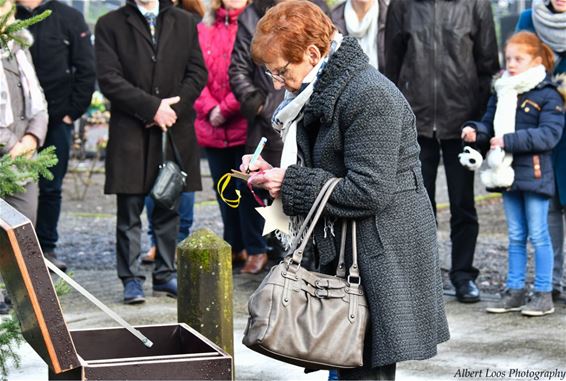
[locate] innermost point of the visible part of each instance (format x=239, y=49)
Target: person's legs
x=252, y=224
x=149, y=205
x=464, y=227
x=128, y=236
x=430, y=158
x=386, y=372
x=513, y=203
x=165, y=227
x=536, y=210
x=556, y=215
x=49, y=207
x=186, y=215
x=221, y=161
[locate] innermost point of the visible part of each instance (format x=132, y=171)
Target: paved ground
x=479, y=341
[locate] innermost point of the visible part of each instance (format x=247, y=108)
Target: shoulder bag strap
x=176, y=154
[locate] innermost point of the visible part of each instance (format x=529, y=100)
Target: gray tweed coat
x=358, y=126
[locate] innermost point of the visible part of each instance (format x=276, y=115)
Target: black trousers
x=386, y=372
x=464, y=225
x=243, y=226
x=128, y=239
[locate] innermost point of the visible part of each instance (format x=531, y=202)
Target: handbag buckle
x=356, y=280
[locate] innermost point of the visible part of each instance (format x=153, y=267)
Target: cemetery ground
x=482, y=346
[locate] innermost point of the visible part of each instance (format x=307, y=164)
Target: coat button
x=22, y=117
x=527, y=109
x=68, y=71
x=157, y=91
x=19, y=84
x=153, y=58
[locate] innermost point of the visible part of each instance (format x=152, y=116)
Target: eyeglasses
x=280, y=76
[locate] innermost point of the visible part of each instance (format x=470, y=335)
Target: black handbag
x=171, y=179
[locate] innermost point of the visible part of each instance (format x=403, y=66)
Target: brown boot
x=149, y=257
x=255, y=264
x=239, y=256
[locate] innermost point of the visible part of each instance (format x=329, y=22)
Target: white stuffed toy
x=470, y=158
x=499, y=173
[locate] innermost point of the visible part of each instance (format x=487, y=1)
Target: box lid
x=33, y=295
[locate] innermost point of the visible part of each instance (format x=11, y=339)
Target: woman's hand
x=270, y=180
x=26, y=146
x=258, y=165
x=469, y=134
x=215, y=117
x=496, y=142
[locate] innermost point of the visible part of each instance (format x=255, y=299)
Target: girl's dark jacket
x=359, y=127
x=135, y=76
x=538, y=127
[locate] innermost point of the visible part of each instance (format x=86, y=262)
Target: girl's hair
x=535, y=47
x=193, y=6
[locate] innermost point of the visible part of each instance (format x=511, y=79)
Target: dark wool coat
x=358, y=126
x=134, y=75
x=538, y=127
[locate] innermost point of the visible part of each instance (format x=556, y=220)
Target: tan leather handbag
x=309, y=319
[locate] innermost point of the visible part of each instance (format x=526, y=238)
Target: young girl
x=523, y=122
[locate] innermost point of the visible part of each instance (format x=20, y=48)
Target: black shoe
x=467, y=292
x=52, y=257
x=556, y=295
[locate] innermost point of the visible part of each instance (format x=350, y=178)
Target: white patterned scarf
x=549, y=26
x=365, y=31
x=285, y=120
x=508, y=89
x=33, y=95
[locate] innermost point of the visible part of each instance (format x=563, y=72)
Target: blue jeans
x=186, y=214
x=527, y=217
x=49, y=205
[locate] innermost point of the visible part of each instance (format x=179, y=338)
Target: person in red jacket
x=221, y=128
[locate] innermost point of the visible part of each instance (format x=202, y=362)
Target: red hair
x=534, y=47
x=288, y=29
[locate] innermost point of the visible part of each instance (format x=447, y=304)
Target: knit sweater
x=359, y=127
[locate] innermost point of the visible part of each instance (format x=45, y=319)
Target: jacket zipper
x=435, y=79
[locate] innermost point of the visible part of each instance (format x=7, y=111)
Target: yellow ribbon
x=221, y=187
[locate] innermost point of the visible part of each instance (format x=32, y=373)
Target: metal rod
x=148, y=343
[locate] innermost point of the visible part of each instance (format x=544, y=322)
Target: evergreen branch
x=14, y=173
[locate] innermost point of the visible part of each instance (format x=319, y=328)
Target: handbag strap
x=166, y=135
x=311, y=212
x=317, y=209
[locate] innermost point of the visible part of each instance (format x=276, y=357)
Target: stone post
x=204, y=273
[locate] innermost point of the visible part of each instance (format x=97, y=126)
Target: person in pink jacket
x=221, y=130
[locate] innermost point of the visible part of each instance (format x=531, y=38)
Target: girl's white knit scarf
x=33, y=95
x=365, y=30
x=508, y=89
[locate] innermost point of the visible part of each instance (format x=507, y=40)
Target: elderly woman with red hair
x=342, y=118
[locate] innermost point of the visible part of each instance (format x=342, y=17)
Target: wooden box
x=178, y=353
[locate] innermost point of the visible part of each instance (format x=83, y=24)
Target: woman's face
x=559, y=5
x=517, y=59
x=290, y=75
x=234, y=4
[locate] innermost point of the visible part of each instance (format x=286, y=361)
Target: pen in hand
x=257, y=152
